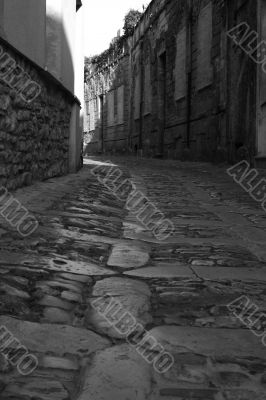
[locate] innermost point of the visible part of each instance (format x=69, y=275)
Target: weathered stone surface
x=226, y=343
x=120, y=287
x=51, y=301
x=5, y=366
x=176, y=298
x=211, y=394
x=78, y=267
x=208, y=263
x=37, y=388
x=75, y=278
x=58, y=363
x=58, y=264
x=75, y=287
x=38, y=128
x=55, y=339
x=127, y=257
x=4, y=102
x=133, y=297
x=12, y=291
x=209, y=362
x=162, y=270
x=117, y=373
x=71, y=296
x=229, y=273
x=57, y=316
x=130, y=224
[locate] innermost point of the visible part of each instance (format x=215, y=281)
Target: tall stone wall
x=107, y=96
x=185, y=83
x=34, y=136
x=242, y=86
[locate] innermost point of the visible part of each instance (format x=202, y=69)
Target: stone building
x=41, y=78
x=182, y=86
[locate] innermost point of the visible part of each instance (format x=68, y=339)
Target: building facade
x=41, y=78
x=185, y=84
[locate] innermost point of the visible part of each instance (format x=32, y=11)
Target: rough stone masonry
x=34, y=136
x=179, y=87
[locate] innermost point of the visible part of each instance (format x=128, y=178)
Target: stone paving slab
x=163, y=270
x=118, y=373
x=230, y=274
x=132, y=297
x=35, y=388
x=55, y=339
x=175, y=238
x=228, y=343
x=178, y=289
x=128, y=257
x=57, y=264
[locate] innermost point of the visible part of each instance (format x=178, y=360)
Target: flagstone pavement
x=89, y=246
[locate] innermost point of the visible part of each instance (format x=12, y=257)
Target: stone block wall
x=34, y=136
x=107, y=96
x=242, y=87
x=186, y=88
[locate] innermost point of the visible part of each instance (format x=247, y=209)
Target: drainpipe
x=141, y=94
x=189, y=69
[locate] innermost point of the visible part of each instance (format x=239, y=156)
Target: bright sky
x=102, y=20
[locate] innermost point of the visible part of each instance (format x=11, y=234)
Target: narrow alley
x=89, y=247
x=132, y=200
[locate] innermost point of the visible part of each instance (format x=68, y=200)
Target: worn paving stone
x=58, y=363
x=227, y=343
x=5, y=366
x=76, y=278
x=230, y=274
x=56, y=264
x=163, y=270
x=80, y=236
x=12, y=291
x=75, y=287
x=128, y=257
x=36, y=388
x=71, y=296
x=120, y=287
x=203, y=303
x=56, y=339
x=117, y=373
x=77, y=267
x=132, y=296
x=51, y=301
x=56, y=316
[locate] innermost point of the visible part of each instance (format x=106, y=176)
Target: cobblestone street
x=88, y=247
